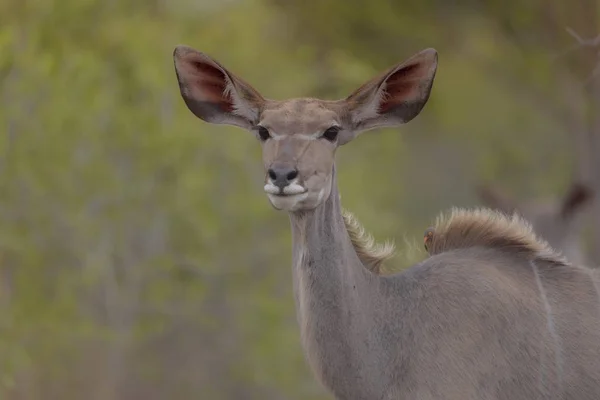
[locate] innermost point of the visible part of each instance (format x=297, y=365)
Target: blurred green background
x=139, y=257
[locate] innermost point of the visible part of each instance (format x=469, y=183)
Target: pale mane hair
x=484, y=227
x=370, y=253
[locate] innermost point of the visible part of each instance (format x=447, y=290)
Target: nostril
x=272, y=174
x=292, y=174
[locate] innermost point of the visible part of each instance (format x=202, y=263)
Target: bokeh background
x=139, y=257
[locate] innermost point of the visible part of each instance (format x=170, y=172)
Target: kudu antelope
x=555, y=220
x=493, y=313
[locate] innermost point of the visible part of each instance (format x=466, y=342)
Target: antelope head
x=299, y=137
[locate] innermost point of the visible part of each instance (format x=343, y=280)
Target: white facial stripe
x=297, y=136
x=313, y=136
x=276, y=136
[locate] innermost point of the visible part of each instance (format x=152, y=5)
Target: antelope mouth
x=287, y=200
x=283, y=195
x=290, y=190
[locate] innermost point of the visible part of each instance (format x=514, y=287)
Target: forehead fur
x=301, y=116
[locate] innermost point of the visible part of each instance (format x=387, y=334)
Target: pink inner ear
x=210, y=82
x=403, y=86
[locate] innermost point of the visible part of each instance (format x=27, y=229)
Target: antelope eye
x=263, y=133
x=331, y=133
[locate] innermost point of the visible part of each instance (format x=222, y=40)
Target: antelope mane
x=483, y=227
x=370, y=253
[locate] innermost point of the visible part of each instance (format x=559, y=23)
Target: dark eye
x=331, y=133
x=263, y=133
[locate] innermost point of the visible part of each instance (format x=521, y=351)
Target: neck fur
x=328, y=235
x=331, y=284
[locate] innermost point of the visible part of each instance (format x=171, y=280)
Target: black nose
x=282, y=175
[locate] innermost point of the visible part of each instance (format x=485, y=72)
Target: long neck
x=321, y=233
x=322, y=250
x=330, y=283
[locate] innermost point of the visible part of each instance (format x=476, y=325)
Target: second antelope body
x=493, y=313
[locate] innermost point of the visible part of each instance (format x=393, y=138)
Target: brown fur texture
x=484, y=227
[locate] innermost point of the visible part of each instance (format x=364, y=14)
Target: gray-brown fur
x=558, y=221
x=484, y=227
x=493, y=319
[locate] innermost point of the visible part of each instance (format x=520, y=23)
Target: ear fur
x=396, y=96
x=213, y=93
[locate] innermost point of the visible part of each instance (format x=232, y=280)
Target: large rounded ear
x=214, y=94
x=396, y=96
x=577, y=196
